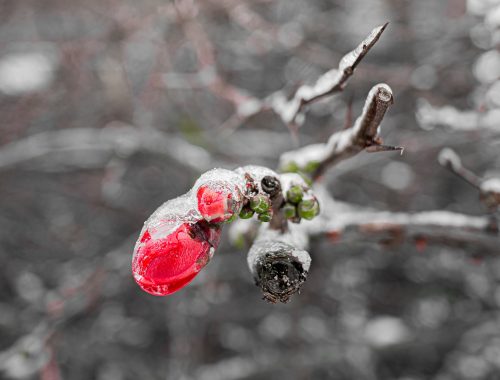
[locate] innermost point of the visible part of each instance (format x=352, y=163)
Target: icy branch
x=449, y=159
x=429, y=117
x=290, y=110
x=90, y=148
x=279, y=263
x=489, y=189
x=315, y=159
x=343, y=221
x=329, y=83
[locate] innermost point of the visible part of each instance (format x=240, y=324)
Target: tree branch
x=316, y=158
x=290, y=110
x=278, y=262
x=351, y=223
x=489, y=189
x=91, y=147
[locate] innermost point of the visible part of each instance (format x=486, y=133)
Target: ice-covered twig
x=449, y=159
x=429, y=117
x=343, y=221
x=290, y=110
x=489, y=189
x=490, y=193
x=278, y=261
x=364, y=135
x=329, y=83
x=90, y=148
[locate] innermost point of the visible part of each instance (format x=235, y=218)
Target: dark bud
x=271, y=185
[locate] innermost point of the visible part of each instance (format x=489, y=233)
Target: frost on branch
x=348, y=223
x=279, y=263
x=489, y=189
x=429, y=117
x=364, y=135
x=291, y=110
x=329, y=83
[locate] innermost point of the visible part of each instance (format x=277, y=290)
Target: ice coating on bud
x=164, y=264
x=174, y=245
x=171, y=214
x=219, y=195
x=220, y=175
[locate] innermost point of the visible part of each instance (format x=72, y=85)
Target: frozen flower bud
x=217, y=201
x=167, y=257
x=308, y=208
x=219, y=195
x=260, y=203
x=294, y=194
x=266, y=216
x=289, y=211
x=246, y=213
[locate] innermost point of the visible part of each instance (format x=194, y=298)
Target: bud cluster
x=180, y=238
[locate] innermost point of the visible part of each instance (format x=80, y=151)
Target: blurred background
x=109, y=108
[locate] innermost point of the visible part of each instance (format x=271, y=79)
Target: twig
x=449, y=159
x=429, y=117
x=489, y=189
x=279, y=262
x=90, y=148
x=343, y=221
x=316, y=158
x=291, y=110
x=329, y=83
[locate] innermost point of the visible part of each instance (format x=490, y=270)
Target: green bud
x=311, y=166
x=294, y=194
x=290, y=167
x=260, y=203
x=265, y=216
x=308, y=208
x=246, y=213
x=289, y=211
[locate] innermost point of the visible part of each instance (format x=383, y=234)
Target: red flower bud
x=163, y=264
x=218, y=201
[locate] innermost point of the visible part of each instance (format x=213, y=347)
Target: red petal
x=164, y=265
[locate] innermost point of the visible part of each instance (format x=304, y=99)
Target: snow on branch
x=449, y=159
x=330, y=82
x=429, y=117
x=489, y=189
x=90, y=147
x=343, y=221
x=364, y=135
x=290, y=110
x=278, y=262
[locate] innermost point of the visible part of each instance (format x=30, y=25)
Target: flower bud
x=294, y=194
x=260, y=203
x=308, y=208
x=165, y=263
